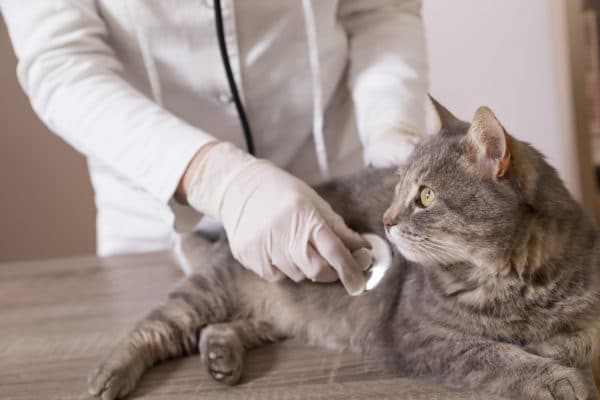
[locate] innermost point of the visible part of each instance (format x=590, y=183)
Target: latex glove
x=275, y=223
x=390, y=148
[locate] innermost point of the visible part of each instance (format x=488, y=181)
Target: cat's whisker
x=442, y=254
x=431, y=252
x=447, y=247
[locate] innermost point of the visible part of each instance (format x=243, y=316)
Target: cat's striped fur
x=514, y=311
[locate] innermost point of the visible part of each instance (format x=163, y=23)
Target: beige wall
x=46, y=202
x=511, y=55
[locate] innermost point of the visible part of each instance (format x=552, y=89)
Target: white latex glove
x=275, y=223
x=390, y=148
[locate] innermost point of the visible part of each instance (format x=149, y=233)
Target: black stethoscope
x=232, y=85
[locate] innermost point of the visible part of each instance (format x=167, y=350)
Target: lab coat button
x=225, y=98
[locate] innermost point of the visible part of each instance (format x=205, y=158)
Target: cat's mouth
x=403, y=240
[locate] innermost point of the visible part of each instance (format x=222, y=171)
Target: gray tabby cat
x=497, y=287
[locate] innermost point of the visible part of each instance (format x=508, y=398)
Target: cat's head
x=465, y=195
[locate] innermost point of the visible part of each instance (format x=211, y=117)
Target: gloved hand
x=390, y=148
x=275, y=223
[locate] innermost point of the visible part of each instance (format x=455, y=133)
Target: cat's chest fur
x=424, y=313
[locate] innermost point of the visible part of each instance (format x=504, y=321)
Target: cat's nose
x=389, y=220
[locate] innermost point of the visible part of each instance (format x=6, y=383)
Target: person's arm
x=72, y=78
x=187, y=180
x=388, y=74
x=73, y=81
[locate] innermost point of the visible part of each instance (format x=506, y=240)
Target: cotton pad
x=375, y=261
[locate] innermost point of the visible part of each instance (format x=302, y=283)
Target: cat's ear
x=448, y=122
x=488, y=144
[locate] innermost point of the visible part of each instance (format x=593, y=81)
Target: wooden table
x=57, y=318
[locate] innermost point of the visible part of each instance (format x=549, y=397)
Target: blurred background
x=534, y=62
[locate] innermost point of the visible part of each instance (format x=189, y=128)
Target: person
x=139, y=87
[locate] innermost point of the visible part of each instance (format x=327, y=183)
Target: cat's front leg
x=169, y=331
x=576, y=349
x=509, y=370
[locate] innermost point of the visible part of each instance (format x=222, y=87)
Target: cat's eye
x=426, y=197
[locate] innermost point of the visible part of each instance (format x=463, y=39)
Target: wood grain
x=57, y=318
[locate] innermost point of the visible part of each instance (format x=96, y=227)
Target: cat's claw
x=111, y=383
x=223, y=355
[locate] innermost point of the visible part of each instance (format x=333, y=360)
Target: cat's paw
x=560, y=383
x=223, y=353
x=112, y=380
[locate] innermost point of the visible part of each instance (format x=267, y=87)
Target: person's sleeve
x=74, y=83
x=388, y=74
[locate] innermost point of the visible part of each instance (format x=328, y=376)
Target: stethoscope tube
x=231, y=80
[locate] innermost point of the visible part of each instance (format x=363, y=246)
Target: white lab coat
x=138, y=87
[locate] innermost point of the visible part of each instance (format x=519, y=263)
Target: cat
x=495, y=284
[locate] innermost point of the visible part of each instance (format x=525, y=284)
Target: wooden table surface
x=57, y=318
